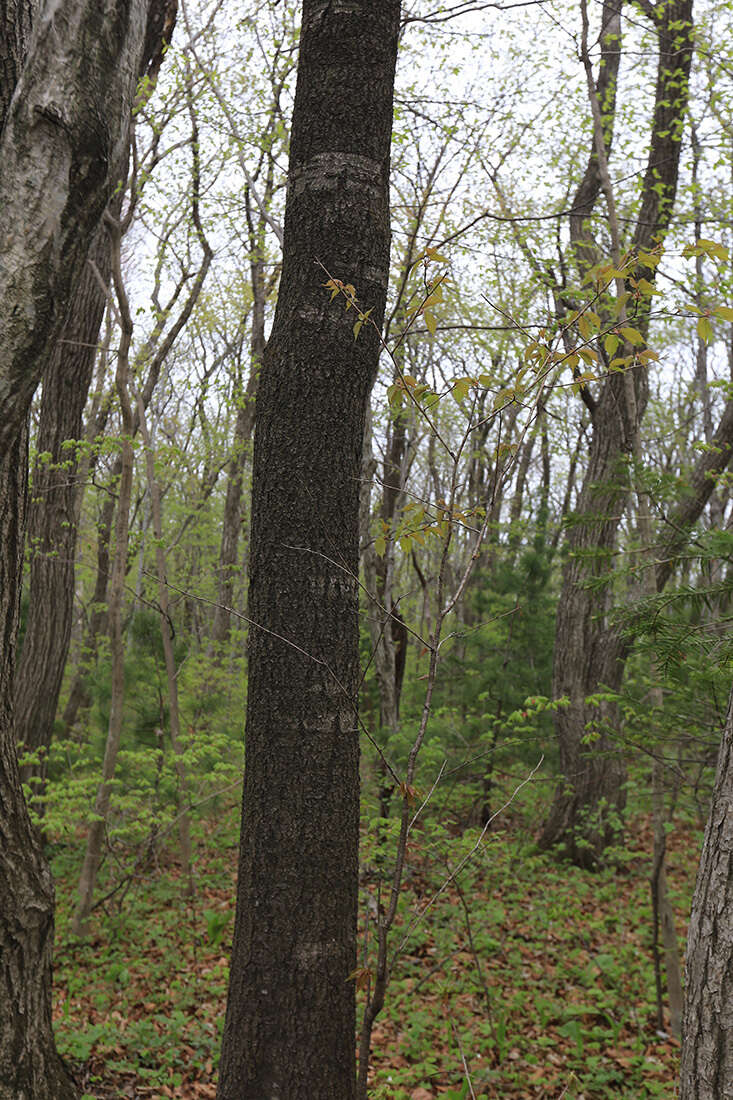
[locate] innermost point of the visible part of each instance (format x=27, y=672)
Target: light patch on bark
x=328, y=171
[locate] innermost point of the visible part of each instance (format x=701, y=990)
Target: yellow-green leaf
x=611, y=343
x=394, y=396
x=714, y=249
x=632, y=335
x=461, y=388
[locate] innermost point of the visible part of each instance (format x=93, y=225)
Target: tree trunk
x=232, y=520
x=79, y=696
x=52, y=516
x=54, y=508
x=62, y=135
x=290, y=1023
x=16, y=21
x=586, y=814
x=98, y=824
x=707, y=1028
x=29, y=1064
x=166, y=630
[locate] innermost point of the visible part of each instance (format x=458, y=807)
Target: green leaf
x=704, y=329
x=584, y=327
x=632, y=335
x=611, y=343
x=380, y=545
x=434, y=296
x=430, y=322
x=714, y=249
x=394, y=396
x=461, y=388
x=724, y=312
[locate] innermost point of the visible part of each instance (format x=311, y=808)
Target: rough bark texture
x=16, y=20
x=707, y=1027
x=29, y=1065
x=64, y=136
x=64, y=128
x=586, y=811
x=290, y=1021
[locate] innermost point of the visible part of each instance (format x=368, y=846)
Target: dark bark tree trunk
x=62, y=135
x=290, y=1024
x=16, y=21
x=29, y=1064
x=586, y=812
x=707, y=1026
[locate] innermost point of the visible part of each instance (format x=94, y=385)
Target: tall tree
x=63, y=135
x=53, y=509
x=591, y=794
x=290, y=1020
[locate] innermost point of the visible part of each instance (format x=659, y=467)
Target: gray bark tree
x=590, y=798
x=64, y=131
x=707, y=1026
x=290, y=1023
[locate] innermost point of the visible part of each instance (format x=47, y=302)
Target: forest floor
x=526, y=978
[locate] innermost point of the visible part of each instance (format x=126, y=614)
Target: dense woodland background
x=546, y=549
